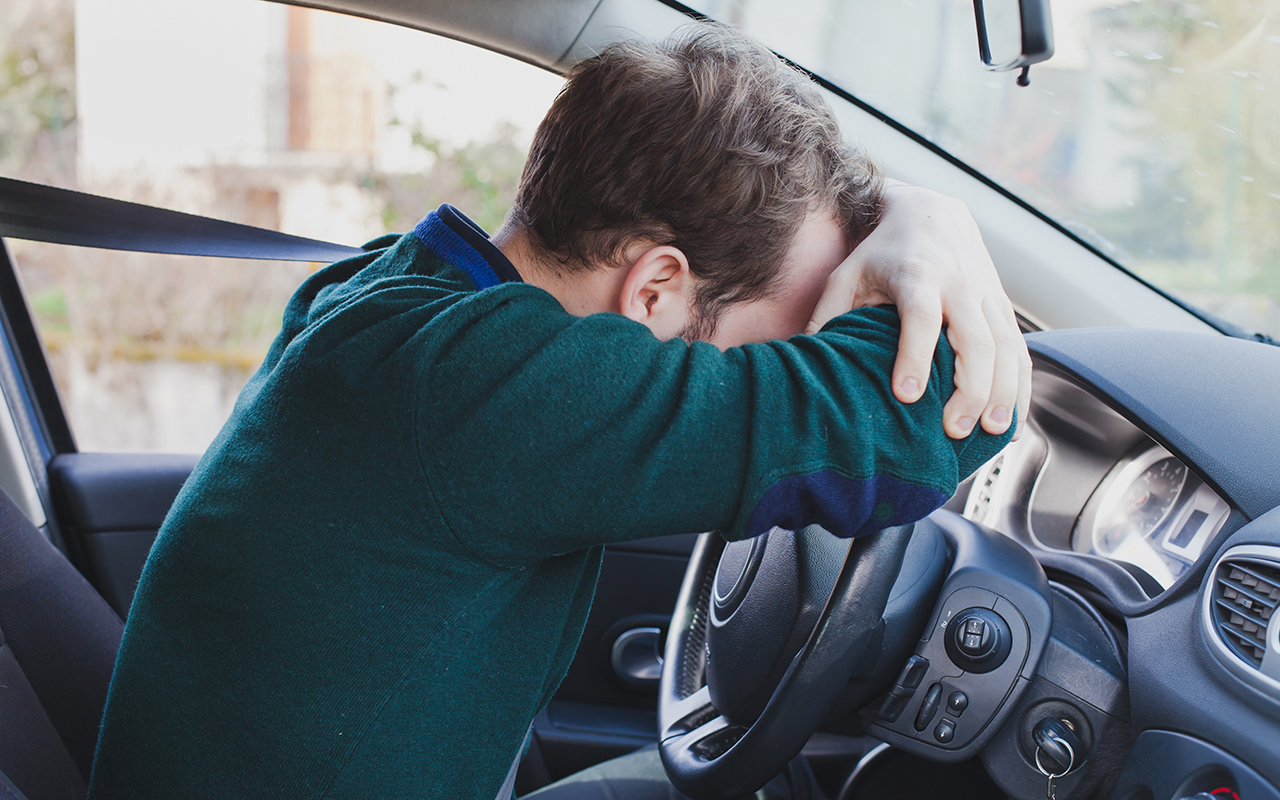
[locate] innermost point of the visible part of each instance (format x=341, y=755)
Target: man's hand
x=926, y=256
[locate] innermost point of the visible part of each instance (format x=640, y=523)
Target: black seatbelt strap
x=47, y=214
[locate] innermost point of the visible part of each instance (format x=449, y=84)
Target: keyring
x=1071, y=759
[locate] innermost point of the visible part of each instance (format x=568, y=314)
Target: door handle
x=636, y=657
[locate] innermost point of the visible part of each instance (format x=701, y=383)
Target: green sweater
x=380, y=570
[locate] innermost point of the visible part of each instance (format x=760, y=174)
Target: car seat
x=58, y=643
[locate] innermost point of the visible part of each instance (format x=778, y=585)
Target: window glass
x=1153, y=133
x=308, y=122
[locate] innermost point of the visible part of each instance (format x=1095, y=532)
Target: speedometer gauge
x=1137, y=506
x=1152, y=512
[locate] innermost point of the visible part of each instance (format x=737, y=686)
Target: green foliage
x=50, y=309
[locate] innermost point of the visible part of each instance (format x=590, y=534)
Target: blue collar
x=464, y=244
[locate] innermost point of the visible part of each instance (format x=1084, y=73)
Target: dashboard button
x=893, y=707
x=929, y=707
x=913, y=672
x=957, y=703
x=945, y=732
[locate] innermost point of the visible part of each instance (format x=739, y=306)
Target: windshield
x=1153, y=133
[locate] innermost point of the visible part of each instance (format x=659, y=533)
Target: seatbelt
x=62, y=216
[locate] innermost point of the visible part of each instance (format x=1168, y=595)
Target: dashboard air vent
x=984, y=487
x=1246, y=593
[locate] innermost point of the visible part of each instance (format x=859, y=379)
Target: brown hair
x=707, y=142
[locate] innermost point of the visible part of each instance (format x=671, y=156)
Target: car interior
x=1092, y=612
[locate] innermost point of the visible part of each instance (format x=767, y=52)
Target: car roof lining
x=540, y=32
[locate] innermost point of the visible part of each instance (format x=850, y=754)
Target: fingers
x=921, y=313
x=928, y=258
x=971, y=338
x=838, y=296
x=1006, y=372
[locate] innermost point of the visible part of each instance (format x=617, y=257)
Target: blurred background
x=302, y=121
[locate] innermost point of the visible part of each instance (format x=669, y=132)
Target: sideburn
x=702, y=326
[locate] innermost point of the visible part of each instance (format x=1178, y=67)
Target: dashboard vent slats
x=980, y=500
x=1246, y=593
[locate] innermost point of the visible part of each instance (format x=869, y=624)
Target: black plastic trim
x=111, y=506
x=680, y=544
x=1177, y=683
x=1222, y=423
x=16, y=383
x=1115, y=587
x=990, y=570
x=573, y=736
x=119, y=491
x=33, y=361
x=1171, y=764
x=1081, y=680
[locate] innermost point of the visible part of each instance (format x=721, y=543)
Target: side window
x=298, y=120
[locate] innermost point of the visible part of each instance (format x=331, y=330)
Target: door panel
x=598, y=714
x=112, y=505
x=636, y=590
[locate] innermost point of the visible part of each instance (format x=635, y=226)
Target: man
x=380, y=570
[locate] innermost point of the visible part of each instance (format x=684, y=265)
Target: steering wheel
x=778, y=624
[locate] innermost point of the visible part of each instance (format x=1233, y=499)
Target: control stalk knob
x=978, y=640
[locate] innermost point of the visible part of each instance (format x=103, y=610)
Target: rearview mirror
x=1013, y=34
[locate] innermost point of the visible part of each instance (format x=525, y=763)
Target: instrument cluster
x=1084, y=479
x=1152, y=512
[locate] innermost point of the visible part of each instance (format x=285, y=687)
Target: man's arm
x=926, y=256
x=543, y=433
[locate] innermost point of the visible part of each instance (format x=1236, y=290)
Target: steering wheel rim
x=709, y=757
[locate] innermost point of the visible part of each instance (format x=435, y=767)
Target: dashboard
x=1103, y=597
x=1084, y=479
x=1147, y=484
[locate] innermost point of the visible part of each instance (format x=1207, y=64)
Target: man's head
x=687, y=168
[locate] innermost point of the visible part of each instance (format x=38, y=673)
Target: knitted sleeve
x=542, y=433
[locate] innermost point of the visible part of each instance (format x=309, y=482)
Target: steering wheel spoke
x=691, y=713
x=712, y=753
x=709, y=740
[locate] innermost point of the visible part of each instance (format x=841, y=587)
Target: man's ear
x=657, y=291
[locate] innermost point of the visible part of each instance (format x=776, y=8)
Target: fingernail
x=810, y=329
x=999, y=414
x=965, y=424
x=911, y=387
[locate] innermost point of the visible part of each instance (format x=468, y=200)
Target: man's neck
x=581, y=292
